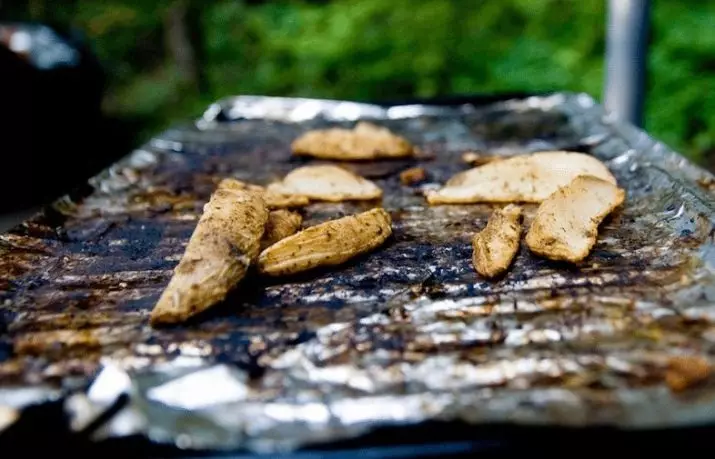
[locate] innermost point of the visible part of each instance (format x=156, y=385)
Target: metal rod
x=626, y=55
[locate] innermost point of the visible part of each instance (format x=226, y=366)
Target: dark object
x=430, y=440
x=626, y=58
x=86, y=271
x=54, y=134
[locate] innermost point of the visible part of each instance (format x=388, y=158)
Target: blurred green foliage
x=383, y=49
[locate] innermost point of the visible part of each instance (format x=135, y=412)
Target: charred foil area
x=410, y=324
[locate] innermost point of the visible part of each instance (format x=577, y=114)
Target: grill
x=401, y=338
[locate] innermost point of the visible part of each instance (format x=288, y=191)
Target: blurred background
x=166, y=60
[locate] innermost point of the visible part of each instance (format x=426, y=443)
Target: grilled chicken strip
x=528, y=178
x=281, y=224
x=327, y=244
x=326, y=183
x=365, y=141
x=226, y=239
x=496, y=245
x=565, y=227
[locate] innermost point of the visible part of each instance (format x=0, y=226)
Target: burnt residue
x=77, y=282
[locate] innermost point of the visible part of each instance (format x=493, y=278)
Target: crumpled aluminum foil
x=457, y=350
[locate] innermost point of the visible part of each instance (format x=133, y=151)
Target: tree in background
x=168, y=59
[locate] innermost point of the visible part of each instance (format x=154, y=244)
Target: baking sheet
x=406, y=334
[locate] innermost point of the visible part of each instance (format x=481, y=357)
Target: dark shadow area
x=54, y=133
x=432, y=439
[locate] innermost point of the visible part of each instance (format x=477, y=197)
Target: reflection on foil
x=298, y=110
x=201, y=389
x=286, y=109
x=19, y=397
x=425, y=339
x=109, y=385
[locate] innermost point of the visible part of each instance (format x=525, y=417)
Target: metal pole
x=626, y=54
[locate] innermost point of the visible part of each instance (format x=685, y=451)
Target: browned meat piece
x=565, y=227
x=528, y=178
x=412, y=176
x=365, y=141
x=686, y=371
x=226, y=239
x=326, y=183
x=280, y=225
x=328, y=244
x=496, y=245
x=283, y=201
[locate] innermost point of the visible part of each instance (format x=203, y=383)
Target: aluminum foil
x=405, y=335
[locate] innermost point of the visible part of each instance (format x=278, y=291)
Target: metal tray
x=406, y=335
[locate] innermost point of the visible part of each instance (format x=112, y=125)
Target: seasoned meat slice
x=365, y=141
x=281, y=224
x=327, y=244
x=326, y=183
x=528, y=178
x=565, y=227
x=497, y=244
x=226, y=239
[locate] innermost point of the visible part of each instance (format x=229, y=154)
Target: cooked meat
x=496, y=245
x=565, y=227
x=280, y=225
x=226, y=239
x=365, y=141
x=412, y=176
x=685, y=371
x=284, y=201
x=273, y=200
x=328, y=244
x=326, y=183
x=478, y=159
x=528, y=178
